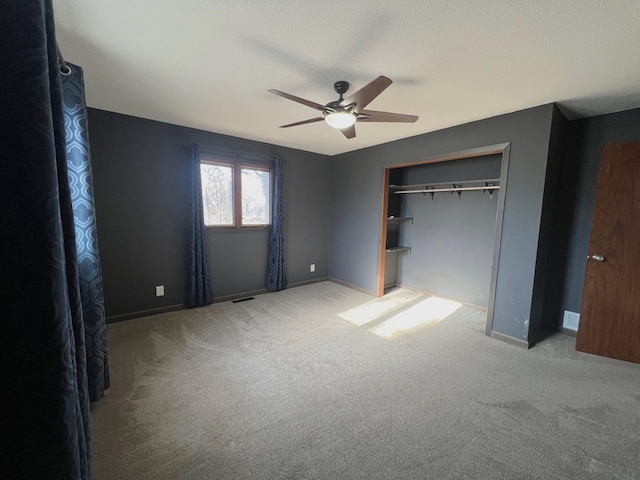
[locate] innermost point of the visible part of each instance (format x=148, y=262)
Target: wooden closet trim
x=502, y=149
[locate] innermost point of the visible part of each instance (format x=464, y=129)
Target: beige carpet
x=324, y=382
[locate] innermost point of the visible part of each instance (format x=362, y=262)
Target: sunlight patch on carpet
x=370, y=311
x=428, y=312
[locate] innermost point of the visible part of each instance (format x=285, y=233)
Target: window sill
x=233, y=228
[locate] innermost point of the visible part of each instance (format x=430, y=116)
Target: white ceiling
x=209, y=64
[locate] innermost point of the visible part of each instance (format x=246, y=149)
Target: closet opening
x=441, y=226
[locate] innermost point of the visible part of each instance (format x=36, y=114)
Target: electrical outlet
x=312, y=267
x=159, y=290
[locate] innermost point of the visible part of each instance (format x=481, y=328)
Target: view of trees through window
x=218, y=195
x=256, y=187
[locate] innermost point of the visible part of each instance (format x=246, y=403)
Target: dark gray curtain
x=276, y=277
x=199, y=291
x=44, y=400
x=84, y=215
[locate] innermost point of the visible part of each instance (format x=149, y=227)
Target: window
x=256, y=196
x=235, y=195
x=217, y=194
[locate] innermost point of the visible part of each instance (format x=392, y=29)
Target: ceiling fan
x=345, y=112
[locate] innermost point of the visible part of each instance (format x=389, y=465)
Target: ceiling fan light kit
x=340, y=120
x=345, y=112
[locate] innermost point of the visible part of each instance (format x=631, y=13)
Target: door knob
x=597, y=258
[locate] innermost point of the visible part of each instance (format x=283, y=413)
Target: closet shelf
x=488, y=184
x=462, y=182
x=398, y=249
x=488, y=188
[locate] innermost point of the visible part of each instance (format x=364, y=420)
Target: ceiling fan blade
x=308, y=103
x=366, y=94
x=303, y=122
x=373, y=116
x=349, y=132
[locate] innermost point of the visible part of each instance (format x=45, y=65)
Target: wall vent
x=571, y=320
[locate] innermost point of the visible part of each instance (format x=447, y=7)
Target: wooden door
x=610, y=315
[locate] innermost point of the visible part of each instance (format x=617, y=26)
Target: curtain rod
x=234, y=155
x=62, y=65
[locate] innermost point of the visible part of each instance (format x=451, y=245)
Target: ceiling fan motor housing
x=335, y=106
x=341, y=87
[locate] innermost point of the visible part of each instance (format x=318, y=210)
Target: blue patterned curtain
x=276, y=277
x=44, y=400
x=199, y=291
x=84, y=215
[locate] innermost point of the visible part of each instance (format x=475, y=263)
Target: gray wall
x=553, y=238
x=454, y=170
x=577, y=195
x=452, y=237
x=140, y=181
x=357, y=205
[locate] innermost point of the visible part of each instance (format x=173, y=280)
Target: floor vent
x=246, y=299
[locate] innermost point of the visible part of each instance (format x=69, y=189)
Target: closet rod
x=453, y=189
